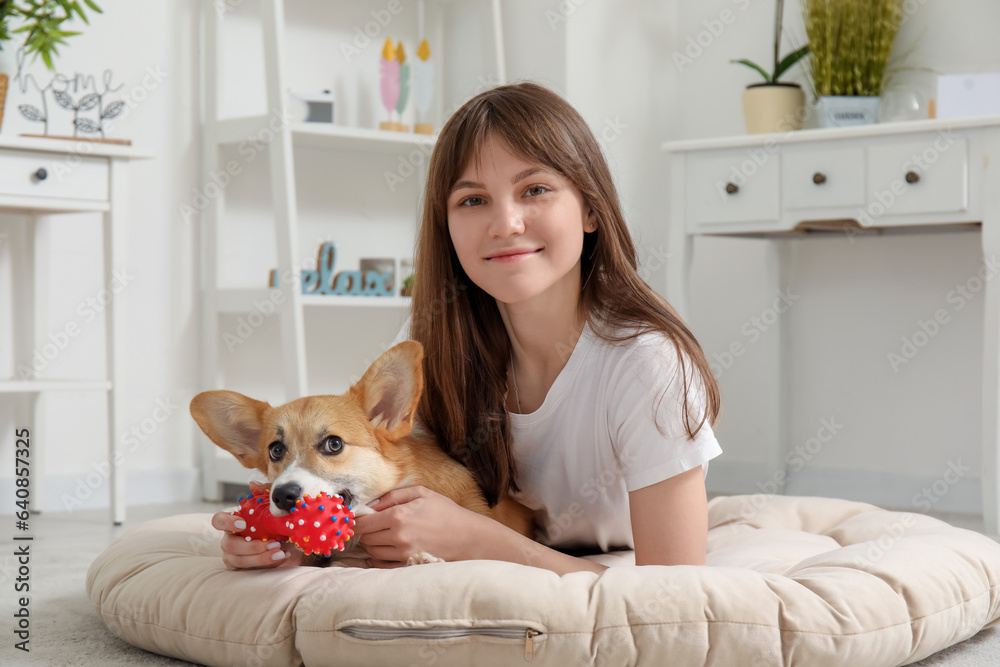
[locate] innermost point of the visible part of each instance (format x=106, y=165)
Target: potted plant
x=850, y=42
x=42, y=21
x=774, y=106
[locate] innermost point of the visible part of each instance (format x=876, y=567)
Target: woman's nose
x=508, y=219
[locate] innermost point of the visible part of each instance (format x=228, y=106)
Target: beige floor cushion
x=790, y=581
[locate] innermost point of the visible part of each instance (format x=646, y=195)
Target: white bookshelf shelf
x=242, y=300
x=357, y=301
x=23, y=205
x=29, y=386
x=358, y=138
x=321, y=135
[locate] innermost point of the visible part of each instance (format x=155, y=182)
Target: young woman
x=551, y=368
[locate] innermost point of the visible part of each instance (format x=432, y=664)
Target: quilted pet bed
x=790, y=581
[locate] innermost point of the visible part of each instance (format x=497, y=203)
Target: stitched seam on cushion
x=188, y=634
x=510, y=622
x=451, y=640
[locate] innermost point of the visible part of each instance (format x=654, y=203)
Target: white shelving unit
x=218, y=466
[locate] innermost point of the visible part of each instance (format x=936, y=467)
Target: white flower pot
x=773, y=107
x=846, y=111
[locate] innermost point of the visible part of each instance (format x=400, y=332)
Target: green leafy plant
x=43, y=21
x=851, y=43
x=781, y=65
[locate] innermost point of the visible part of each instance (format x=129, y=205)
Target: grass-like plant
x=850, y=44
x=43, y=21
x=781, y=65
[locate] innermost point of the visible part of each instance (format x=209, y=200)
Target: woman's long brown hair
x=466, y=347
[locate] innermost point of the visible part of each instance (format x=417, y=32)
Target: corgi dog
x=359, y=445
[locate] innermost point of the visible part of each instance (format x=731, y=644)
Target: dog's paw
x=423, y=557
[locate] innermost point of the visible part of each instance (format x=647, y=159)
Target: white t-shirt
x=594, y=440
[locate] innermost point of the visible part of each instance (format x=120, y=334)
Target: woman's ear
x=390, y=389
x=589, y=219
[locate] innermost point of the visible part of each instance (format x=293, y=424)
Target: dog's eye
x=332, y=445
x=276, y=450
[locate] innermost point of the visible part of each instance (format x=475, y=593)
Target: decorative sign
x=346, y=283
x=63, y=88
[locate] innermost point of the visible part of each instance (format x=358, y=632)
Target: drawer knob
x=819, y=178
x=732, y=188
x=912, y=177
x=41, y=174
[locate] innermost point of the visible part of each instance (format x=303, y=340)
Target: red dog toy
x=318, y=525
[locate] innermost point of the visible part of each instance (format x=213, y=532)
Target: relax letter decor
x=322, y=280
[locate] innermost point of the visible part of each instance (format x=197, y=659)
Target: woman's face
x=517, y=227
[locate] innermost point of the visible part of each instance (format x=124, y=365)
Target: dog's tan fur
x=374, y=419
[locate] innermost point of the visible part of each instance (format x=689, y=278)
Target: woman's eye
x=332, y=445
x=276, y=450
x=468, y=201
x=536, y=190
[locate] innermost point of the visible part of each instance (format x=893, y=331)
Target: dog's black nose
x=286, y=495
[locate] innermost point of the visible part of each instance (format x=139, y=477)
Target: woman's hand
x=238, y=554
x=414, y=520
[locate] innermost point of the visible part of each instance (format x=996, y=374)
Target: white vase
x=847, y=111
x=773, y=107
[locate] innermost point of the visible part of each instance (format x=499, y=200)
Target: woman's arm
x=416, y=519
x=670, y=520
x=495, y=541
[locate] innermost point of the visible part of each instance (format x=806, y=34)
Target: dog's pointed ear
x=390, y=389
x=234, y=422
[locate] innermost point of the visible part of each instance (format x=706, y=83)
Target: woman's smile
x=511, y=256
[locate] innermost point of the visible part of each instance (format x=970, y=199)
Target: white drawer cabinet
x=895, y=177
x=732, y=186
x=52, y=175
x=812, y=178
x=774, y=188
x=40, y=177
x=741, y=190
x=927, y=173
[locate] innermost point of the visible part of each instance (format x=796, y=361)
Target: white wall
x=858, y=299
x=615, y=62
